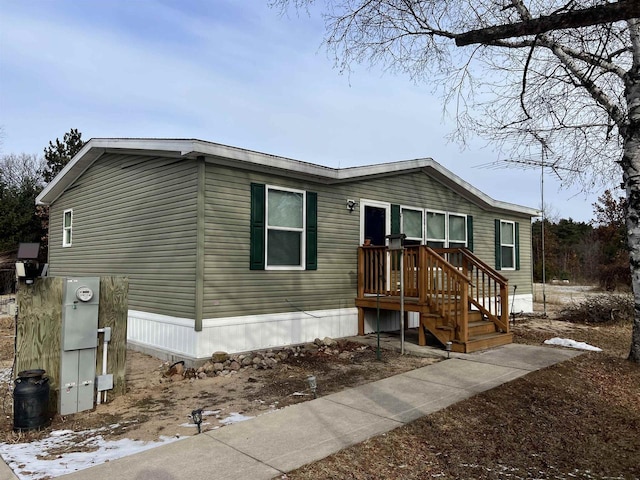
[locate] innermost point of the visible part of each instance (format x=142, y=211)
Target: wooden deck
x=460, y=299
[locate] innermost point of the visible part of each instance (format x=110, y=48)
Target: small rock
x=219, y=357
x=202, y=375
x=257, y=360
x=283, y=355
x=175, y=369
x=318, y=342
x=246, y=361
x=329, y=342
x=176, y=377
x=234, y=366
x=217, y=367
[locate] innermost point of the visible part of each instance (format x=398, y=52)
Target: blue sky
x=231, y=72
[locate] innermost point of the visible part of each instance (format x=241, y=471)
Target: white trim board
x=176, y=336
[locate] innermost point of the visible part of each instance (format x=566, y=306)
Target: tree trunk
x=631, y=176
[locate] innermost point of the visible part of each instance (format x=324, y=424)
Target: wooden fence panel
x=39, y=327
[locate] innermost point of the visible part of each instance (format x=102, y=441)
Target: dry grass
x=578, y=419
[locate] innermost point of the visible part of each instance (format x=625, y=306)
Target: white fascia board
x=465, y=188
x=190, y=148
x=96, y=147
x=264, y=160
x=71, y=171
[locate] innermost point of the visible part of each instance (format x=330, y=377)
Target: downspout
x=200, y=243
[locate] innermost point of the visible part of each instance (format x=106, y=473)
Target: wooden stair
x=460, y=298
x=483, y=334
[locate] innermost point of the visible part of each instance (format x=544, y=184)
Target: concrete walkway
x=278, y=442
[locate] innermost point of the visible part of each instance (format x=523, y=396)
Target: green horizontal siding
x=133, y=216
x=136, y=216
x=232, y=289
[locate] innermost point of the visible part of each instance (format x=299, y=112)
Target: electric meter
x=84, y=294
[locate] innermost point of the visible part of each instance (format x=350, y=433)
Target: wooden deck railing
x=449, y=281
x=488, y=290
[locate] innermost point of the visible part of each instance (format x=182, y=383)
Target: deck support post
x=360, y=321
x=422, y=339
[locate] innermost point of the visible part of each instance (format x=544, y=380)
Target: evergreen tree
x=610, y=234
x=58, y=155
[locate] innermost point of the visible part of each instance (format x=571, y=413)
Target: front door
x=375, y=222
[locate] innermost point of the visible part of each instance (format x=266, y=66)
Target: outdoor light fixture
x=448, y=348
x=196, y=416
x=313, y=385
x=27, y=267
x=351, y=205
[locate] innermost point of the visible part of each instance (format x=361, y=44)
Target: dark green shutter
x=498, y=249
x=395, y=219
x=257, y=226
x=517, y=241
x=312, y=231
x=470, y=232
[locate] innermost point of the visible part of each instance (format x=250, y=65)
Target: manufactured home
x=234, y=250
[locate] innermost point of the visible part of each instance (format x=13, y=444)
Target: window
x=436, y=229
x=412, y=226
x=67, y=227
x=457, y=231
x=284, y=228
x=507, y=245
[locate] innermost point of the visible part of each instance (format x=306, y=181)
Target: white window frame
x=303, y=230
x=466, y=233
x=423, y=223
x=387, y=216
x=427, y=211
x=447, y=237
x=512, y=245
x=66, y=229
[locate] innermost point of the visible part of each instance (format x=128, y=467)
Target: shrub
x=600, y=309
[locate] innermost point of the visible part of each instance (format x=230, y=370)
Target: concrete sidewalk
x=278, y=442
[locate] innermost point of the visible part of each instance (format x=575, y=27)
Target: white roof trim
x=190, y=148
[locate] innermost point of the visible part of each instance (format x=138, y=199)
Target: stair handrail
x=438, y=297
x=498, y=310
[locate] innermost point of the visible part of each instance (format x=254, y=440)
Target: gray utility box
x=79, y=342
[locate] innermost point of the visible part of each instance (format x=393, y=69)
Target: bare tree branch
x=605, y=13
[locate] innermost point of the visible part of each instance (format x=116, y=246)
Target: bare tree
x=20, y=183
x=576, y=91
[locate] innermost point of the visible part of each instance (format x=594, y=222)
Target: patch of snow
x=234, y=417
x=5, y=375
x=567, y=342
x=29, y=460
x=193, y=424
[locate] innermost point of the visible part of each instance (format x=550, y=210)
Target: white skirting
x=173, y=337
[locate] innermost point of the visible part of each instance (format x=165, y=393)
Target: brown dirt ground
x=579, y=419
x=157, y=406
